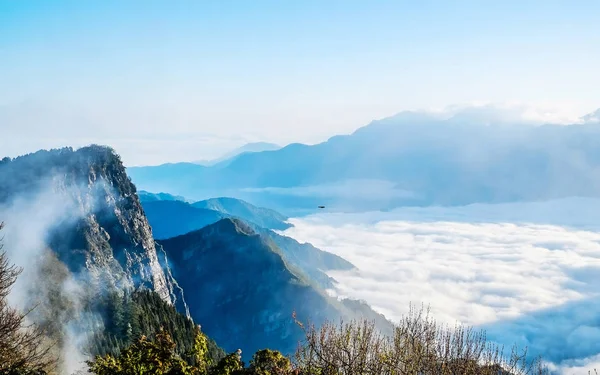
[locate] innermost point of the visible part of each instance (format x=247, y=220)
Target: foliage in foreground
x=418, y=346
x=158, y=356
x=22, y=346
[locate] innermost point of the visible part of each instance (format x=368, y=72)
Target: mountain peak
x=223, y=228
x=234, y=225
x=89, y=154
x=100, y=227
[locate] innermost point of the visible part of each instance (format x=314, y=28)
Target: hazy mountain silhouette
x=174, y=218
x=247, y=148
x=262, y=217
x=146, y=196
x=420, y=159
x=171, y=217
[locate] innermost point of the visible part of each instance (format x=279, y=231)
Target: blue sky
x=165, y=81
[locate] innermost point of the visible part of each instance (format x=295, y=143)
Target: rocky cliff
x=102, y=234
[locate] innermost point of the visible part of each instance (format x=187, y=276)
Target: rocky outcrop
x=105, y=236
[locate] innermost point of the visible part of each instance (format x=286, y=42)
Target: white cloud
x=483, y=112
x=346, y=189
x=526, y=272
x=31, y=217
x=591, y=118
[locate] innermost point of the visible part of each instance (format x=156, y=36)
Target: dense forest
x=130, y=316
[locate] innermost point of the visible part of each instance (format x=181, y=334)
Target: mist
x=30, y=218
x=462, y=156
x=526, y=272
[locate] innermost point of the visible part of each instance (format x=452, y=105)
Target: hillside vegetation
x=173, y=218
x=417, y=346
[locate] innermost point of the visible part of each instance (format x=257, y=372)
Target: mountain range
x=225, y=159
x=239, y=280
x=174, y=218
x=146, y=196
x=182, y=217
x=260, y=216
x=408, y=159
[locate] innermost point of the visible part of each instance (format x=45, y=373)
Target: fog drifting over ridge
x=527, y=272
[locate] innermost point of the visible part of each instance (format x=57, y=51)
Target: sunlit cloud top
x=527, y=272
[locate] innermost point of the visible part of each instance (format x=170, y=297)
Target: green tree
x=156, y=357
x=229, y=365
x=144, y=312
x=269, y=362
x=200, y=355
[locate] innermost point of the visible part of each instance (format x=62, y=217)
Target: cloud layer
x=510, y=112
x=526, y=272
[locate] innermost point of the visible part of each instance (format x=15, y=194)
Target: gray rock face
x=105, y=238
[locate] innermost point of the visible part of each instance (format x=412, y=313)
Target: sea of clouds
x=526, y=272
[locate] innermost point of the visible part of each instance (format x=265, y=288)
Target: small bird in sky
x=321, y=206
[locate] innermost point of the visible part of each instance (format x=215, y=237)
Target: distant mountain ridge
x=173, y=218
x=419, y=159
x=247, y=148
x=146, y=196
x=313, y=262
x=260, y=216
